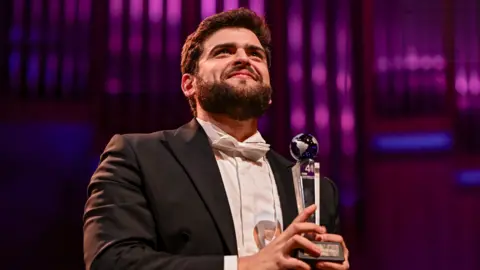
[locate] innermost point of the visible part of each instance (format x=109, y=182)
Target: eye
x=222, y=51
x=257, y=54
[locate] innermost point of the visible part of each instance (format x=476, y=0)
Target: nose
x=241, y=57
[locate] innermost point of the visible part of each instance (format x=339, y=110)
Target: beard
x=237, y=102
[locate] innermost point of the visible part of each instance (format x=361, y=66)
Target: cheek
x=210, y=73
x=263, y=70
x=266, y=76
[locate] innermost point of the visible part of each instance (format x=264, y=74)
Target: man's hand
x=276, y=255
x=331, y=265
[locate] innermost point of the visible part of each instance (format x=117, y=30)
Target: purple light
x=135, y=43
x=156, y=15
x=319, y=74
x=411, y=60
x=257, y=6
x=36, y=10
x=174, y=11
x=115, y=44
x=114, y=86
x=51, y=70
x=18, y=11
x=36, y=16
x=318, y=37
x=82, y=70
x=14, y=63
x=136, y=9
x=115, y=27
x=116, y=8
x=54, y=11
x=295, y=72
x=347, y=120
x=84, y=10
x=155, y=10
x=426, y=62
x=440, y=80
x=322, y=116
x=348, y=145
x=344, y=81
x=414, y=80
x=230, y=4
x=341, y=41
x=382, y=64
x=295, y=33
x=208, y=8
x=295, y=67
x=67, y=72
x=263, y=123
x=135, y=40
x=155, y=46
x=398, y=62
x=173, y=19
x=15, y=34
x=14, y=68
x=462, y=102
x=70, y=8
x=461, y=84
x=343, y=78
x=438, y=62
x=33, y=71
x=297, y=119
x=474, y=83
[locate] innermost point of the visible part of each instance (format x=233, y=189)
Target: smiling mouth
x=243, y=75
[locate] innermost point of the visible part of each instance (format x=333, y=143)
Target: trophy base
x=330, y=252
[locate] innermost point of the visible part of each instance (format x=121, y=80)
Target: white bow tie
x=250, y=150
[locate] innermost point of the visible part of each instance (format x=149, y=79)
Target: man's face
x=224, y=53
x=233, y=77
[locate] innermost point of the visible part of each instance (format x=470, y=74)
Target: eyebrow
x=249, y=47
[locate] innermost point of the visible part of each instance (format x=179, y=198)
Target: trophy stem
x=316, y=170
x=297, y=183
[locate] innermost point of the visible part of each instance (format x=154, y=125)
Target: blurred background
x=391, y=89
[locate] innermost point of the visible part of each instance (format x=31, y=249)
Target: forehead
x=239, y=36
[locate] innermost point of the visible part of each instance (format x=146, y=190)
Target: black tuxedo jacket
x=157, y=201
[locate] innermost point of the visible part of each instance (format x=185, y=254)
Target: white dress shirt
x=251, y=192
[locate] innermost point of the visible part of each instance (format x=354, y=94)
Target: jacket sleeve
x=119, y=230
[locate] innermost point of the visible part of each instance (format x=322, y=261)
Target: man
x=211, y=194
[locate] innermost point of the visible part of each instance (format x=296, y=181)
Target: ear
x=188, y=88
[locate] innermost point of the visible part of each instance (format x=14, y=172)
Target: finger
x=333, y=266
x=299, y=228
x=305, y=214
x=334, y=238
x=326, y=237
x=300, y=242
x=292, y=263
x=315, y=236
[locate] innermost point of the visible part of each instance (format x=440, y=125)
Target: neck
x=240, y=130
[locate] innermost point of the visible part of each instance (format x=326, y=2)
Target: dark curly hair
x=235, y=18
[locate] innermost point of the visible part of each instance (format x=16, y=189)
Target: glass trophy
x=306, y=180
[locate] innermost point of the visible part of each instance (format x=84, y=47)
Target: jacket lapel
x=281, y=168
x=190, y=145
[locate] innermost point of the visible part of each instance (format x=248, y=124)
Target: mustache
x=248, y=68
